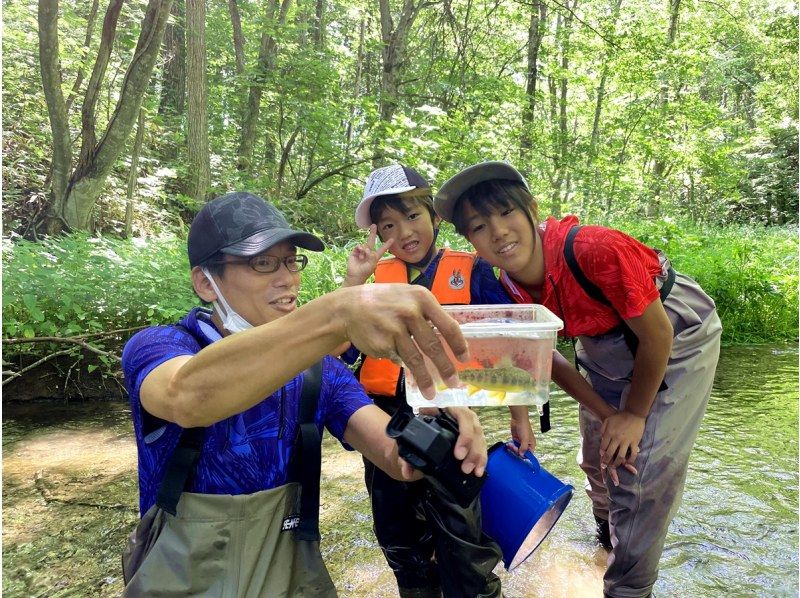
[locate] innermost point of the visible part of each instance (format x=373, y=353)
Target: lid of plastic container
x=532, y=330
x=505, y=320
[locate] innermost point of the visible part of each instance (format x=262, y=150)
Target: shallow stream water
x=69, y=498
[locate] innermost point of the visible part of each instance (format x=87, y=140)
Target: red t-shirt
x=623, y=268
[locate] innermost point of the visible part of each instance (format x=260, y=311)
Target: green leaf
x=29, y=301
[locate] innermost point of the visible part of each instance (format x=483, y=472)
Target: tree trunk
x=301, y=19
x=93, y=88
x=197, y=93
x=318, y=25
x=356, y=87
x=601, y=87
x=173, y=82
x=393, y=55
x=535, y=35
x=238, y=37
x=72, y=204
x=588, y=197
x=133, y=175
x=287, y=150
x=50, y=66
x=660, y=164
x=266, y=61
x=558, y=109
x=87, y=42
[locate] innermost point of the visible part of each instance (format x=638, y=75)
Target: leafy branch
x=78, y=340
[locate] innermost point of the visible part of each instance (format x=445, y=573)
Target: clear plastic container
x=511, y=355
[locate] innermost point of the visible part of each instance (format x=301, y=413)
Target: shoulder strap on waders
x=308, y=455
x=597, y=294
x=180, y=465
x=179, y=468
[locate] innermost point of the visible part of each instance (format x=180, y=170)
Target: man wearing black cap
x=216, y=404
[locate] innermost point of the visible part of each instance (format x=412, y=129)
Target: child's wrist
x=353, y=281
x=607, y=412
x=634, y=412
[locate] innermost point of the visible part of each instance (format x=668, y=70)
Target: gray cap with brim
x=242, y=224
x=448, y=194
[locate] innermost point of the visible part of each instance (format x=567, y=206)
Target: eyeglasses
x=267, y=264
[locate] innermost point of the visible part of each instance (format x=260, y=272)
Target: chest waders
x=641, y=508
x=434, y=546
x=250, y=545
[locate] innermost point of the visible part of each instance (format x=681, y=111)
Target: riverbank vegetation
x=96, y=291
x=675, y=121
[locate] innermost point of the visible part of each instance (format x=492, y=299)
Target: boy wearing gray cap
x=646, y=338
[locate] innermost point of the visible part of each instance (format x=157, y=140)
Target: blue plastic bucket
x=521, y=502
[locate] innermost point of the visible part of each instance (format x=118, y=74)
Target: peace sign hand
x=364, y=258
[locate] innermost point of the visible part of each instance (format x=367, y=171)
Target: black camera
x=427, y=443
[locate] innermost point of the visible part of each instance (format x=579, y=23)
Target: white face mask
x=231, y=321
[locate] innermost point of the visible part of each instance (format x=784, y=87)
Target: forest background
x=675, y=121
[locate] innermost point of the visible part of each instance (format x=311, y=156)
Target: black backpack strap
x=587, y=285
x=308, y=447
x=180, y=468
x=182, y=462
x=597, y=294
x=592, y=289
x=544, y=418
x=666, y=288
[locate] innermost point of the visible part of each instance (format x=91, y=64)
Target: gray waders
x=641, y=508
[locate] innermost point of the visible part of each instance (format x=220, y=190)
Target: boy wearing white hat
x=432, y=548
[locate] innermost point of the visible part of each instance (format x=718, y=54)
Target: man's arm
x=366, y=432
x=235, y=373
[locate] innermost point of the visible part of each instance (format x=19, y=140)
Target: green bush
x=79, y=284
x=751, y=272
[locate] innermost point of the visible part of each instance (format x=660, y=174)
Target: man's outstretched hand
x=397, y=321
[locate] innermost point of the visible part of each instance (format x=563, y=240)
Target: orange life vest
x=450, y=286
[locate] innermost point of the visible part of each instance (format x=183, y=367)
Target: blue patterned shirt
x=244, y=453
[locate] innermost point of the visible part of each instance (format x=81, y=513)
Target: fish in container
x=511, y=355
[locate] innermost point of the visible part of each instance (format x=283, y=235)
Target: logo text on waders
x=290, y=522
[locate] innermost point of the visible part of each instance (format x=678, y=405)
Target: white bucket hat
x=389, y=180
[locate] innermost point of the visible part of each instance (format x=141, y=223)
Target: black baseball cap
x=242, y=224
